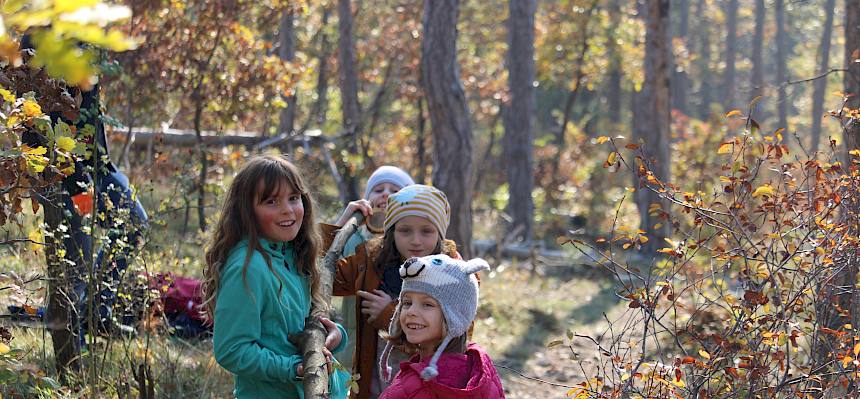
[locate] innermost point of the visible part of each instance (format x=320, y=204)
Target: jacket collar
x=275, y=250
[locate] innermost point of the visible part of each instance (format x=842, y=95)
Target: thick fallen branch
x=312, y=340
x=142, y=137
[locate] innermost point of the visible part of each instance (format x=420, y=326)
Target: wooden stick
x=311, y=341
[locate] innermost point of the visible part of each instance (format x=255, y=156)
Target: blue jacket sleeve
x=238, y=310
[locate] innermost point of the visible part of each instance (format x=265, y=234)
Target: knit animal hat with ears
x=453, y=284
x=388, y=174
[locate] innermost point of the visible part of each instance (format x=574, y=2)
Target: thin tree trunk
x=348, y=91
x=613, y=88
x=61, y=316
x=204, y=166
x=287, y=52
x=129, y=119
x=705, y=73
x=838, y=300
x=421, y=152
x=757, y=59
x=519, y=113
x=449, y=116
x=820, y=85
x=729, y=76
x=679, y=75
x=653, y=119
x=781, y=73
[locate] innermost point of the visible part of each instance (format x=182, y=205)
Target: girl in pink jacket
x=437, y=304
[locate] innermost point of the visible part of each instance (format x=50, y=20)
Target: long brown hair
x=258, y=179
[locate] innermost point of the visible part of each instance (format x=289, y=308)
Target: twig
x=521, y=374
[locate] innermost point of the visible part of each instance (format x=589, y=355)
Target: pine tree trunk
x=614, y=53
x=61, y=316
x=820, y=85
x=729, y=75
x=349, y=94
x=287, y=52
x=705, y=73
x=757, y=60
x=781, y=55
x=519, y=114
x=679, y=75
x=449, y=116
x=653, y=118
x=851, y=79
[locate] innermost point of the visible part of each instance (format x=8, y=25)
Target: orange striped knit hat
x=419, y=200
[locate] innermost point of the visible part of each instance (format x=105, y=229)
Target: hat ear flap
x=476, y=265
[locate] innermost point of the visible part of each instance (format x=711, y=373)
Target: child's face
x=279, y=216
x=415, y=236
x=379, y=194
x=421, y=319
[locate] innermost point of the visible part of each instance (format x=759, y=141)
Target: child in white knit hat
x=385, y=181
x=438, y=303
x=416, y=221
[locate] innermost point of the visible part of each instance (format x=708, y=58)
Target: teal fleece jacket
x=253, y=317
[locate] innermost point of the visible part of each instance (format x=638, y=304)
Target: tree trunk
x=449, y=116
x=781, y=74
x=321, y=107
x=420, y=141
x=838, y=300
x=706, y=88
x=679, y=75
x=349, y=93
x=61, y=318
x=204, y=165
x=731, y=52
x=820, y=85
x=287, y=52
x=519, y=114
x=614, y=53
x=757, y=60
x=851, y=80
x=651, y=128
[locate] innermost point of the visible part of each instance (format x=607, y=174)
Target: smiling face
x=421, y=320
x=415, y=236
x=279, y=215
x=378, y=197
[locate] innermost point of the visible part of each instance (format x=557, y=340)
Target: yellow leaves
x=36, y=237
x=66, y=143
x=726, y=148
x=734, y=112
x=846, y=361
x=35, y=157
x=4, y=349
x=855, y=153
x=31, y=109
x=765, y=189
x=7, y=96
x=703, y=353
x=857, y=349
x=602, y=139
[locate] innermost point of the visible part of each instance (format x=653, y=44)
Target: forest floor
x=522, y=312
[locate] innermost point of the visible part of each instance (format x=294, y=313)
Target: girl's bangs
x=273, y=177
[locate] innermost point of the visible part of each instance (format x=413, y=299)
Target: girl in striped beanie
x=416, y=221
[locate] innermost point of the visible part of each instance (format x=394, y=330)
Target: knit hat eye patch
x=407, y=270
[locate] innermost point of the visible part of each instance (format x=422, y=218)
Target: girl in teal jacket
x=260, y=278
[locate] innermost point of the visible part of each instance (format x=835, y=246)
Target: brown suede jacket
x=357, y=272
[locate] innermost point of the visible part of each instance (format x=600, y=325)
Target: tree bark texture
x=820, y=85
x=348, y=93
x=449, y=116
x=287, y=52
x=680, y=81
x=757, y=58
x=781, y=55
x=61, y=318
x=652, y=121
x=851, y=80
x=519, y=114
x=614, y=53
x=706, y=88
x=729, y=75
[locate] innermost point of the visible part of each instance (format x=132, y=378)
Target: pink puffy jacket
x=462, y=376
